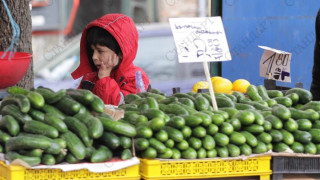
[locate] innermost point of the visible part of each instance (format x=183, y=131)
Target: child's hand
x=107, y=65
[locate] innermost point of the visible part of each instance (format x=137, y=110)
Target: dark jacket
x=122, y=80
x=315, y=85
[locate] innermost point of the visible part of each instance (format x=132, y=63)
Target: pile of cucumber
x=184, y=125
x=41, y=126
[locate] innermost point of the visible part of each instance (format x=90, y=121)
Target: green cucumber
x=262, y=91
x=14, y=111
x=83, y=96
x=302, y=114
x=32, y=161
x=224, y=102
x=315, y=133
x=54, y=148
x=102, y=154
x=126, y=154
x=125, y=142
x=37, y=127
x=223, y=152
x=280, y=147
x=201, y=103
x=275, y=121
x=294, y=98
x=303, y=137
x=97, y=104
x=187, y=102
x=239, y=95
x=157, y=145
x=252, y=92
x=149, y=153
x=10, y=124
x=234, y=151
x=36, y=114
x=118, y=127
x=36, y=99
x=297, y=147
x=174, y=133
x=176, y=122
x=110, y=139
x=141, y=144
x=281, y=111
x=94, y=124
x=246, y=149
x=315, y=105
x=32, y=152
x=243, y=106
x=176, y=109
x=152, y=113
x=79, y=128
x=17, y=90
x=130, y=98
x=70, y=158
x=250, y=138
x=287, y=137
x=52, y=109
x=20, y=142
x=49, y=95
x=274, y=93
x=56, y=122
x=48, y=159
x=305, y=96
x=74, y=145
x=68, y=105
x=286, y=101
x=189, y=153
x=196, y=143
x=18, y=99
x=221, y=139
x=192, y=120
x=208, y=142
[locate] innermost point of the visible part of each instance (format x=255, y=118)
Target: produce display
x=184, y=125
x=46, y=127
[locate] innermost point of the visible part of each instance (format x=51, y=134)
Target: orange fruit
x=200, y=85
x=240, y=85
x=222, y=85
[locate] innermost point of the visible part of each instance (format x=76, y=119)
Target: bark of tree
x=21, y=14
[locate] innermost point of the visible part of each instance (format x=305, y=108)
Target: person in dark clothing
x=315, y=85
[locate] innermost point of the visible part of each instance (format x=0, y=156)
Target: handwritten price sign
x=275, y=64
x=200, y=39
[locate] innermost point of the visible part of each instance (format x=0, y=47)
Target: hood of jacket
x=123, y=29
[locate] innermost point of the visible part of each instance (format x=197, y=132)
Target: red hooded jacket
x=121, y=81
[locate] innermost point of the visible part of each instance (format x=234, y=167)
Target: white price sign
x=200, y=39
x=275, y=64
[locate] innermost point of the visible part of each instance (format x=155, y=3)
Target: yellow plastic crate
x=205, y=168
x=15, y=172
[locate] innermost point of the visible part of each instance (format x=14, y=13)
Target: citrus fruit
x=215, y=78
x=200, y=85
x=222, y=85
x=240, y=85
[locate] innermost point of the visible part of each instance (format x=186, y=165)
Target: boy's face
x=104, y=55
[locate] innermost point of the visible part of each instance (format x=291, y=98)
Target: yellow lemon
x=200, y=85
x=222, y=85
x=215, y=78
x=240, y=85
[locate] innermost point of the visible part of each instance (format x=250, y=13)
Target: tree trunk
x=20, y=12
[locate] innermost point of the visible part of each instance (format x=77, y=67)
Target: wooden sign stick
x=213, y=98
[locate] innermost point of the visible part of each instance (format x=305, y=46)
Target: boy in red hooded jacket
x=108, y=47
